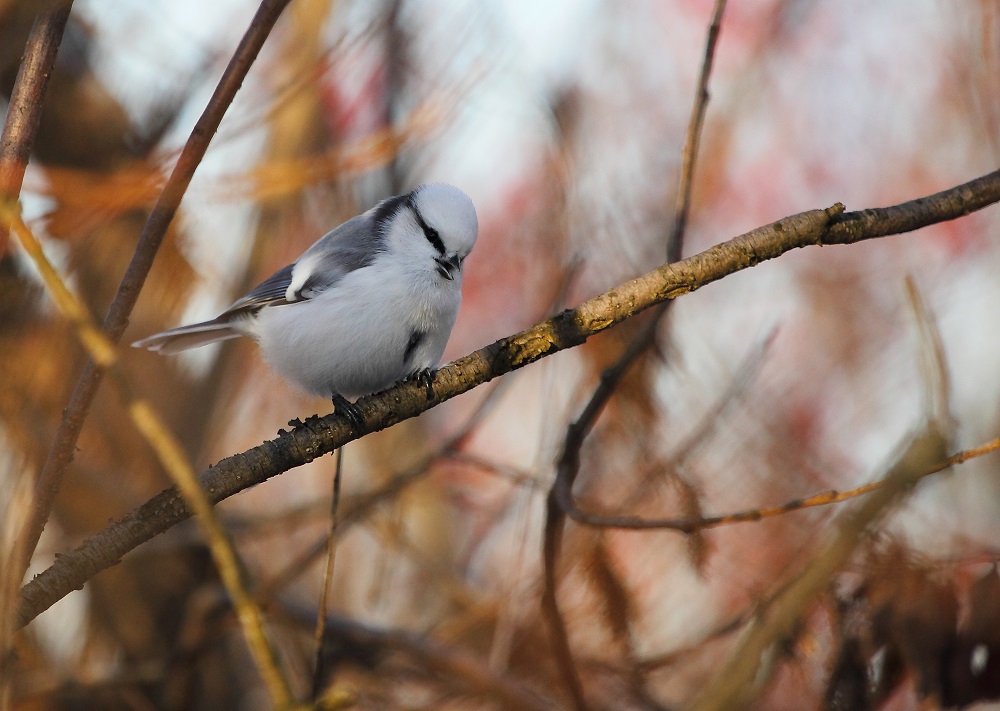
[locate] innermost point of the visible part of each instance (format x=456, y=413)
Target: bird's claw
x=425, y=376
x=344, y=407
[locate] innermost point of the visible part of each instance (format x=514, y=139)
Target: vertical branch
x=569, y=461
x=324, y=596
x=395, y=71
x=25, y=110
x=682, y=207
x=61, y=453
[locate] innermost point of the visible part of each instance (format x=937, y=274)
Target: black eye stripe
x=429, y=232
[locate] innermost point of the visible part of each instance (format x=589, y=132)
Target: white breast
x=352, y=339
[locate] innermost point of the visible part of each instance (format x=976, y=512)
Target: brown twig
x=569, y=461
x=692, y=142
x=364, y=504
x=678, y=459
x=64, y=444
x=692, y=524
x=319, y=672
x=26, y=101
x=738, y=680
x=321, y=435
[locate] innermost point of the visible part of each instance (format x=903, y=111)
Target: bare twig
x=933, y=367
x=321, y=435
x=26, y=101
x=734, y=683
x=331, y=557
x=569, y=461
x=64, y=444
x=682, y=207
x=365, y=504
x=692, y=524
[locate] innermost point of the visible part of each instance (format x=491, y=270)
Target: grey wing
x=269, y=292
x=353, y=245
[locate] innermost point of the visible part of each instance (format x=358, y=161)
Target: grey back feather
x=352, y=245
x=269, y=291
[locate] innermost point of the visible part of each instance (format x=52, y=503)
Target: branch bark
x=26, y=101
x=321, y=435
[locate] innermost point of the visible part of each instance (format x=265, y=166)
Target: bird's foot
x=346, y=408
x=425, y=376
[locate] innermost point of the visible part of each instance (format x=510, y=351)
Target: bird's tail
x=186, y=337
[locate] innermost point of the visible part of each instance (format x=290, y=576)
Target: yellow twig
x=171, y=456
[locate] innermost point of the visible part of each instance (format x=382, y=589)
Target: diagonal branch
x=68, y=432
x=321, y=435
x=27, y=99
x=171, y=456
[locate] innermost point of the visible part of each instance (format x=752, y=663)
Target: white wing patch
x=301, y=273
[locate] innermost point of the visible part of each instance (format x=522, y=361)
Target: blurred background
x=565, y=122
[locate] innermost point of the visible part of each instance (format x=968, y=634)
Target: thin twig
x=318, y=436
x=24, y=112
x=738, y=680
x=365, y=504
x=698, y=523
x=933, y=367
x=324, y=595
x=569, y=461
x=171, y=456
x=692, y=141
x=68, y=432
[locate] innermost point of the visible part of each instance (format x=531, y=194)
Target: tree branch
x=569, y=461
x=321, y=435
x=68, y=432
x=27, y=99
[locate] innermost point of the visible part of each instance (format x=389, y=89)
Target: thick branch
x=321, y=435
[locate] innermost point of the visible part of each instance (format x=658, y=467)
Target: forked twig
x=569, y=461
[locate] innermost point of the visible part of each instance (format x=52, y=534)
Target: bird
x=371, y=303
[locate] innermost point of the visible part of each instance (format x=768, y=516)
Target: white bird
x=371, y=303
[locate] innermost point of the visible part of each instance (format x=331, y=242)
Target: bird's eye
x=434, y=238
x=429, y=232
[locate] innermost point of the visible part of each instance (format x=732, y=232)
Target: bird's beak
x=449, y=266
